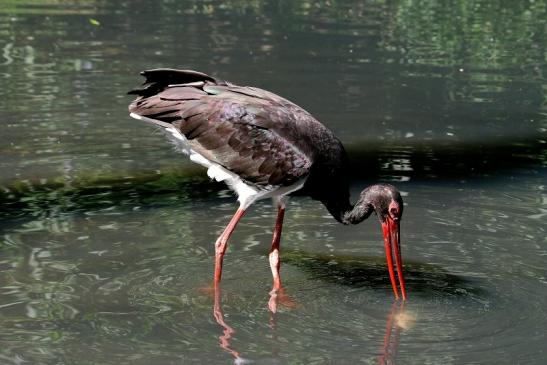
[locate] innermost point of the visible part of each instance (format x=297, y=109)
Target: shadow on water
x=422, y=279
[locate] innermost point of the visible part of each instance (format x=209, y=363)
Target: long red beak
x=392, y=244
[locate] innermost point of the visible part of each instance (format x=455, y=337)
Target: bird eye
x=394, y=212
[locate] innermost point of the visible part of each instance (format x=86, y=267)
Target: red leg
x=277, y=295
x=221, y=244
x=275, y=263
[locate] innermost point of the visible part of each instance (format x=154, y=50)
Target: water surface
x=107, y=234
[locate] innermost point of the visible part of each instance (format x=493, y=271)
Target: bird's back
x=263, y=138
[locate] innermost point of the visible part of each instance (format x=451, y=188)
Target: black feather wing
x=243, y=129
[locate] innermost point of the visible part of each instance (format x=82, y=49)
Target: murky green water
x=107, y=234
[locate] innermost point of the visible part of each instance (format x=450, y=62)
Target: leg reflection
x=227, y=331
x=279, y=297
x=396, y=321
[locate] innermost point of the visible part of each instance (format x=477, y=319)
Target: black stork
x=263, y=146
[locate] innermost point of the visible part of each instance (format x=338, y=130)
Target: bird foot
x=278, y=297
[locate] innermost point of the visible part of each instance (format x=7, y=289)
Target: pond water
x=107, y=233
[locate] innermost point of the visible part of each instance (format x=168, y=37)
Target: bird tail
x=159, y=79
x=163, y=93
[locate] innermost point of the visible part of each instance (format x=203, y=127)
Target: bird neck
x=346, y=213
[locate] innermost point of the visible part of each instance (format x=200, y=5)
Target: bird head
x=388, y=205
x=386, y=201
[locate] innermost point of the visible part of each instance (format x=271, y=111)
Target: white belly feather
x=246, y=193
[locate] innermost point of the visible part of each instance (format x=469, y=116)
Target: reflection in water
x=397, y=321
x=279, y=297
x=227, y=331
x=393, y=332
